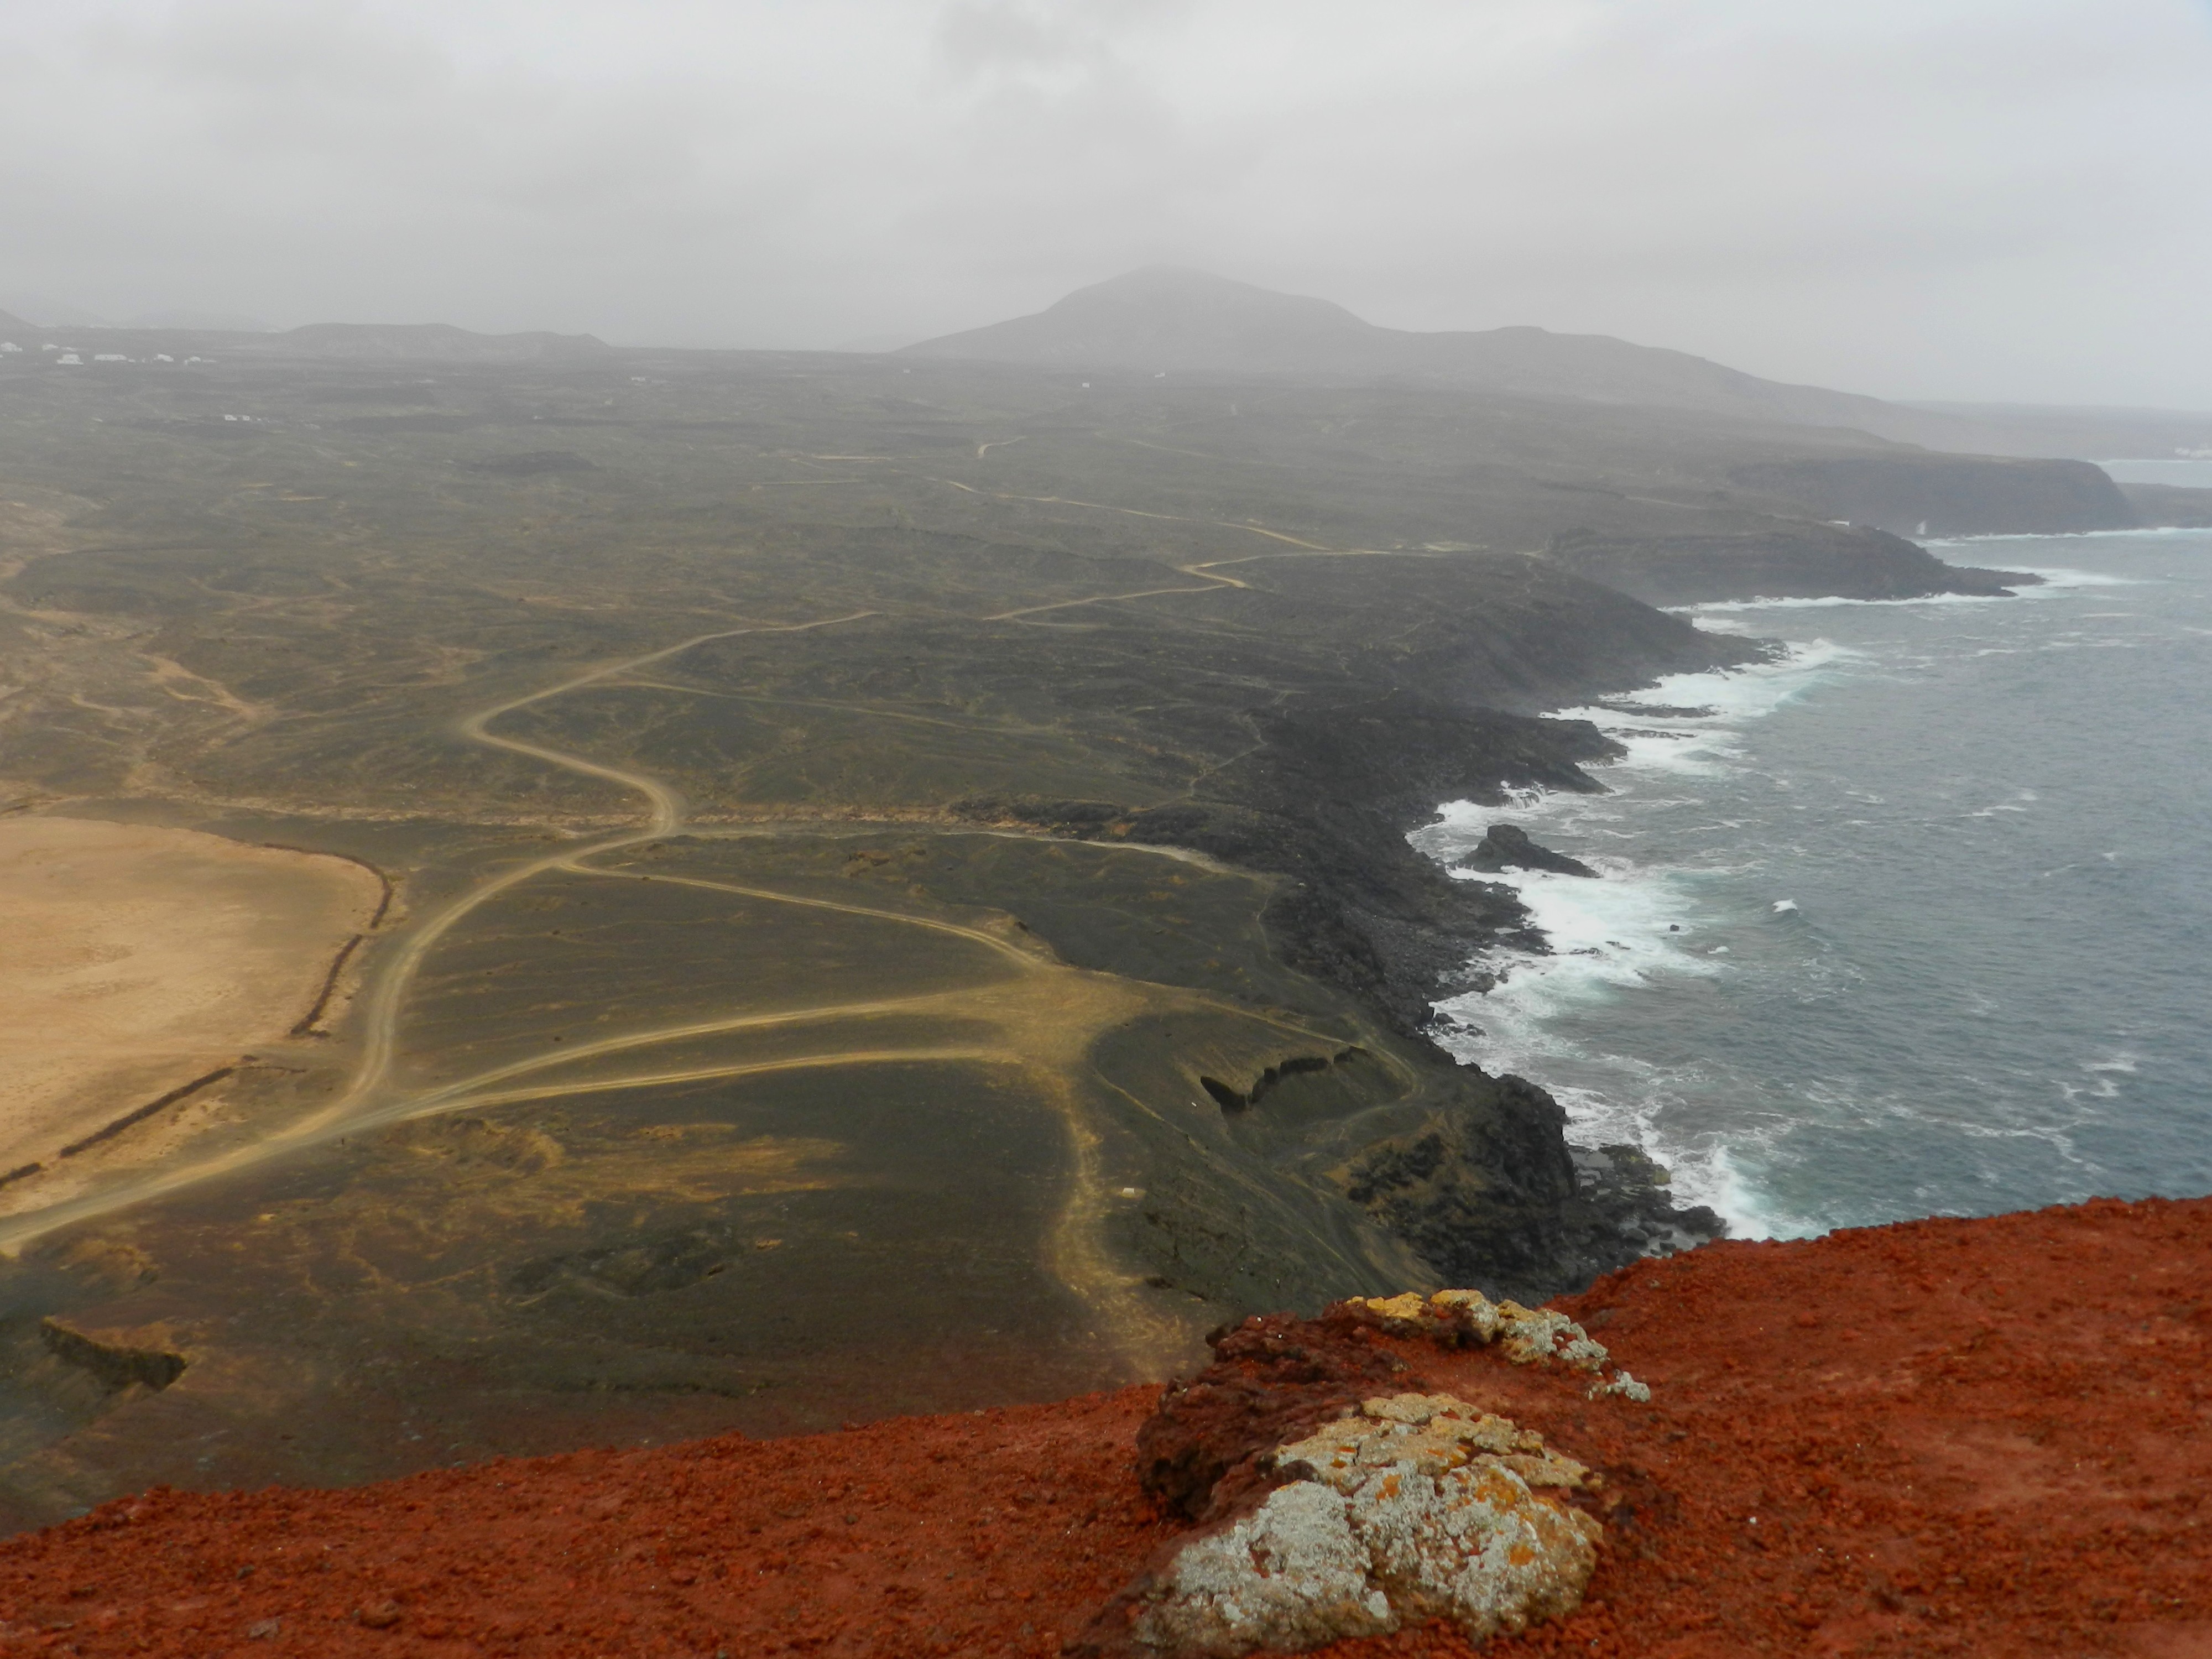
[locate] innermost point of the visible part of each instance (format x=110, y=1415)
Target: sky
x=1972, y=199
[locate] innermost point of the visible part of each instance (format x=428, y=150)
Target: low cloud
x=1999, y=199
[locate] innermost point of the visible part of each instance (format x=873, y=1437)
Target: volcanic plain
x=791, y=889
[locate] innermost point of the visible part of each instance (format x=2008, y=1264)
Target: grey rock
x=1290, y=1576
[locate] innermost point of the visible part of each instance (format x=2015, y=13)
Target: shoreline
x=1695, y=727
x=1624, y=902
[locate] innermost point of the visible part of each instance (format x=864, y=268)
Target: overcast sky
x=1967, y=198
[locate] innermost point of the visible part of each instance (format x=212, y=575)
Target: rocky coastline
x=1475, y=1173
x=1488, y=1189
x=1787, y=560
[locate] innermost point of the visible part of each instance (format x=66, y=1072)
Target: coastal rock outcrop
x=1507, y=847
x=1623, y=1192
x=1436, y=1184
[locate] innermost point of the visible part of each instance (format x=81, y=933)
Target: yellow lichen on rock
x=1477, y=1311
x=1527, y=1336
x=1410, y=1305
x=1421, y=1507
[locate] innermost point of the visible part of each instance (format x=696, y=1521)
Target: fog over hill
x=411, y=343
x=1166, y=319
x=417, y=342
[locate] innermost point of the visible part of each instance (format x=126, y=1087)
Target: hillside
x=1948, y=1436
x=1165, y=318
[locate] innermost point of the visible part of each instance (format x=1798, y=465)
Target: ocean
x=1916, y=921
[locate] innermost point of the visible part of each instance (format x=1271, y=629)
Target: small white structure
x=71, y=357
x=109, y=357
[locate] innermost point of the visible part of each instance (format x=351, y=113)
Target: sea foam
x=1688, y=1005
x=1634, y=925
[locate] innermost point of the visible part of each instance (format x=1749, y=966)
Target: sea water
x=1915, y=919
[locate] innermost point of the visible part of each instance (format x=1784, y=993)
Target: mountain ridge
x=1168, y=319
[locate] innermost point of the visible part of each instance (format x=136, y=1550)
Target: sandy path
x=138, y=959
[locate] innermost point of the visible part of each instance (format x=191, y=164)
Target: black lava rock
x=1507, y=847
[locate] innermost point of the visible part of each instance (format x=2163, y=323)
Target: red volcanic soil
x=1990, y=1437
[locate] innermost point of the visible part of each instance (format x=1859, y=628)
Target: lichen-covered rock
x=1420, y=1507
x=1406, y=1306
x=1622, y=1383
x=1537, y=1335
x=1290, y=1576
x=1527, y=1336
x=1471, y=1308
x=1473, y=1545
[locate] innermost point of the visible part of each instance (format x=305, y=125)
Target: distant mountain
x=222, y=322
x=52, y=312
x=430, y=342
x=1165, y=318
x=13, y=327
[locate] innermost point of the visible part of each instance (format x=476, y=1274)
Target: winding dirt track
x=1047, y=1014
x=379, y=1024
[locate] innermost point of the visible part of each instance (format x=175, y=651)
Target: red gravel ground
x=1987, y=1438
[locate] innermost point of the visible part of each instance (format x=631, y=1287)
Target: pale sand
x=133, y=960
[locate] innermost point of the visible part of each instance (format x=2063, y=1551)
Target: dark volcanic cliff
x=1789, y=560
x=2170, y=505
x=1472, y=1173
x=1916, y=493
